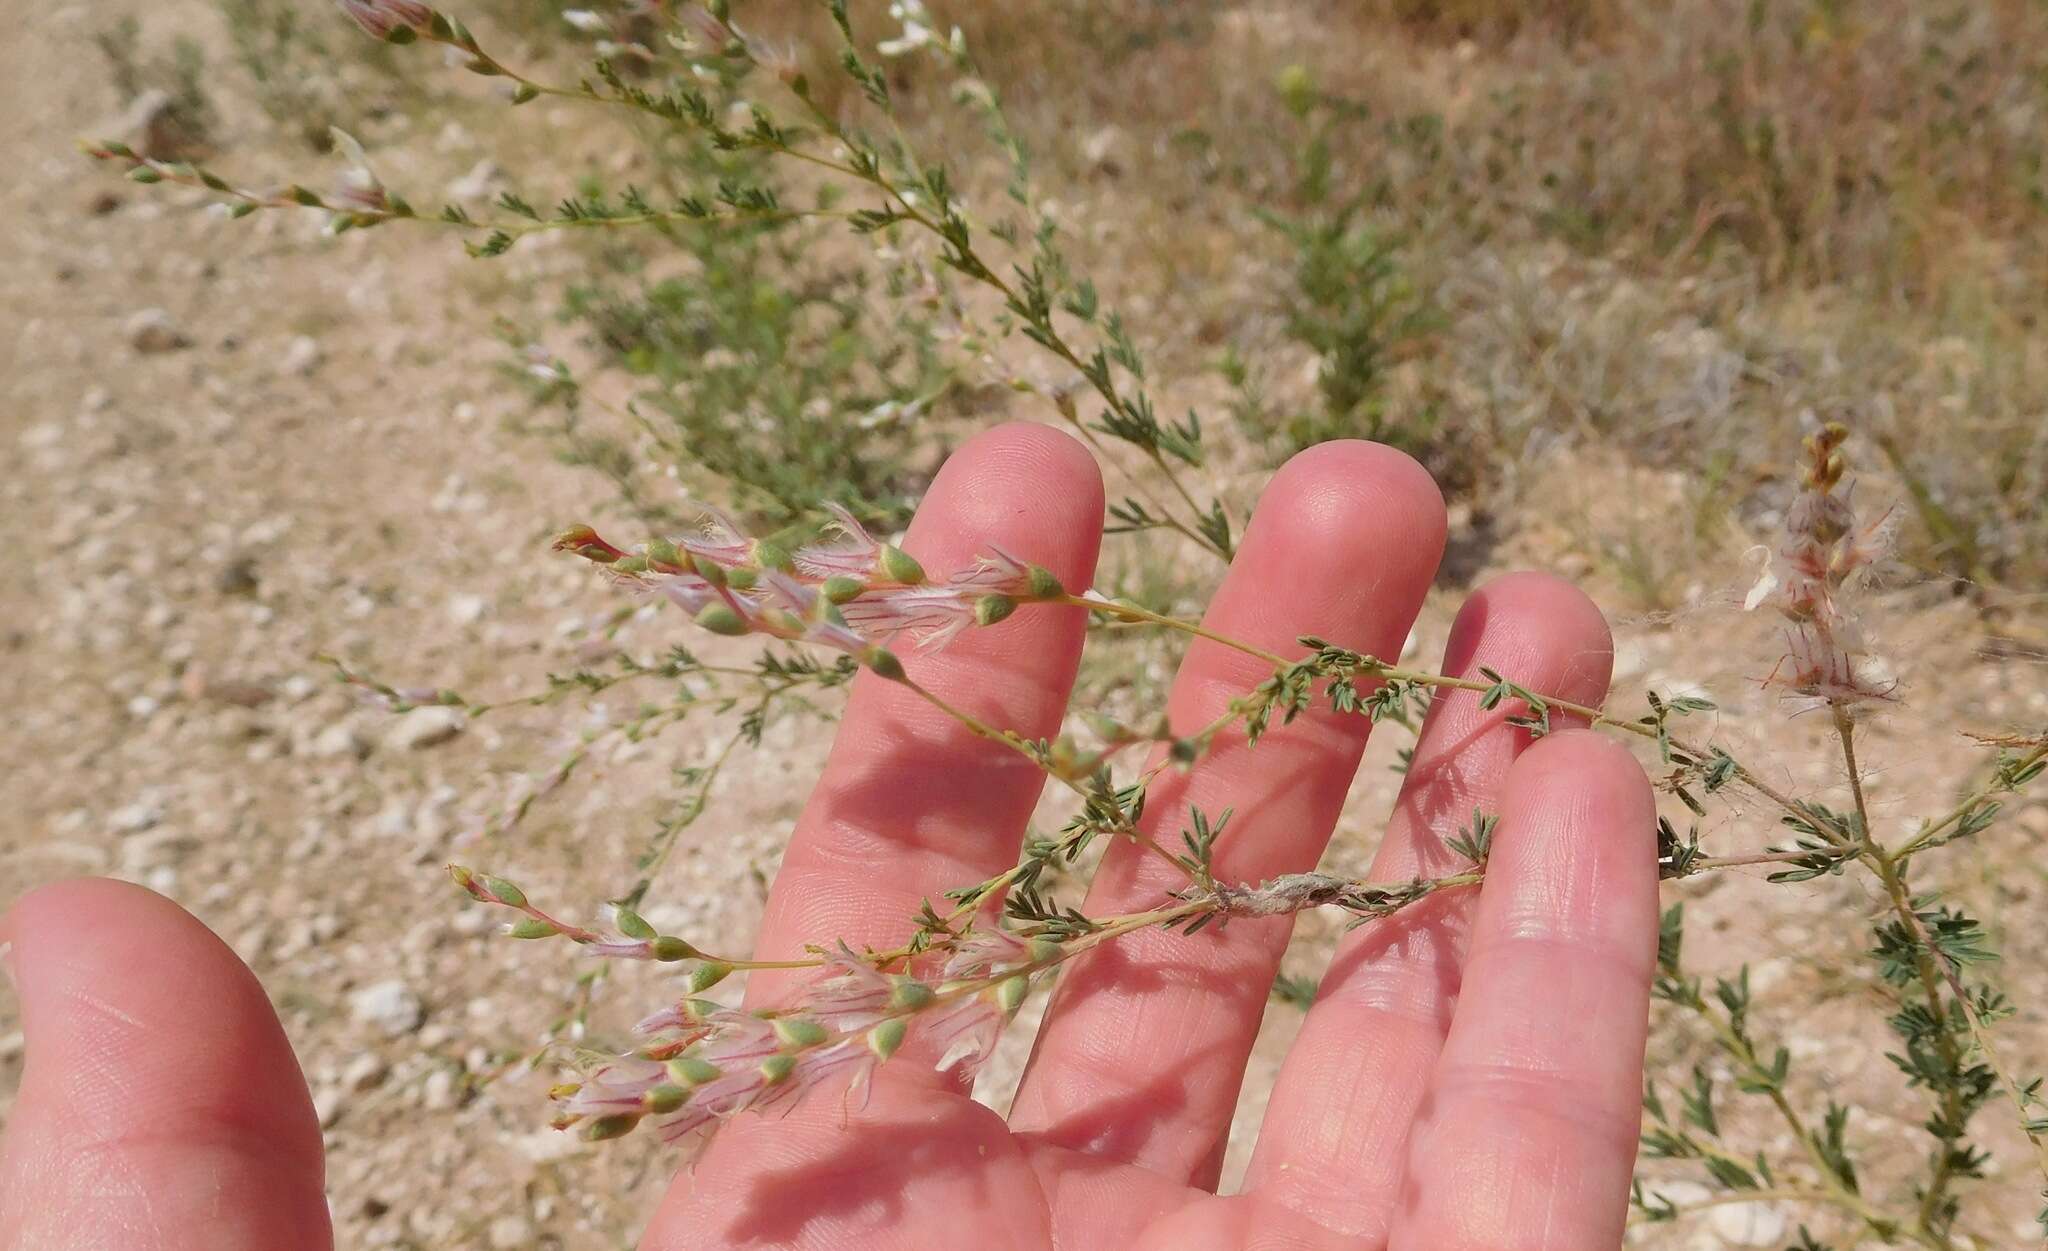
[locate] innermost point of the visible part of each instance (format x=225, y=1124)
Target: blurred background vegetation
x=1489, y=233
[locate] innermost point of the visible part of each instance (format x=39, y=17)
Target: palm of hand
x=1468, y=1077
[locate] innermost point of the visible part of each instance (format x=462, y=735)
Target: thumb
x=161, y=1108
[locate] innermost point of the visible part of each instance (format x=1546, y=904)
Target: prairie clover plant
x=829, y=598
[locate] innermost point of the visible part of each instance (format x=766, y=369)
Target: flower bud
x=720, y=618
x=775, y=1070
x=699, y=1011
x=1042, y=950
x=503, y=891
x=990, y=609
x=708, y=974
x=1040, y=583
x=710, y=570
x=1010, y=993
x=800, y=1032
x=668, y=949
x=840, y=589
x=531, y=927
x=909, y=993
x=883, y=662
x=693, y=1070
x=885, y=1038
x=611, y=1126
x=631, y=924
x=663, y=552
x=630, y=564
x=772, y=556
x=900, y=565
x=664, y=1098
x=739, y=577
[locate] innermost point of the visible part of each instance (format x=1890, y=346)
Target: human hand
x=1470, y=1075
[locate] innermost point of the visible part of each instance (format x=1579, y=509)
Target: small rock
x=302, y=356
x=339, y=739
x=511, y=1233
x=425, y=727
x=134, y=818
x=143, y=707
x=151, y=330
x=1748, y=1224
x=237, y=577
x=1105, y=150
x=389, y=1005
x=156, y=849
x=366, y=1072
x=438, y=1091
x=467, y=609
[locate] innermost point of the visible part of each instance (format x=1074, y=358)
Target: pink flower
x=932, y=615
x=852, y=554
x=381, y=19
x=720, y=540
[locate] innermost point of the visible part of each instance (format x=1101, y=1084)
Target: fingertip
x=123, y=981
x=1366, y=503
x=153, y=1055
x=1551, y=626
x=1584, y=771
x=1024, y=485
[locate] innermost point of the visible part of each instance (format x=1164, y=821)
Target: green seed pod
x=631, y=924
x=1042, y=950
x=775, y=1070
x=719, y=618
x=708, y=974
x=990, y=609
x=909, y=993
x=663, y=552
x=1010, y=993
x=1184, y=750
x=885, y=1038
x=1041, y=584
x=532, y=927
x=693, y=1070
x=900, y=565
x=883, y=662
x=796, y=1031
x=710, y=570
x=668, y=949
x=664, y=1098
x=630, y=564
x=840, y=589
x=699, y=1011
x=504, y=892
x=772, y=556
x=611, y=1126
x=739, y=577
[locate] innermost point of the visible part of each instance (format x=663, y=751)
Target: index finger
x=912, y=803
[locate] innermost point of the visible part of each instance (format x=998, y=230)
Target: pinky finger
x=1530, y=1133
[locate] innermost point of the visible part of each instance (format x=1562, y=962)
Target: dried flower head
x=1825, y=549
